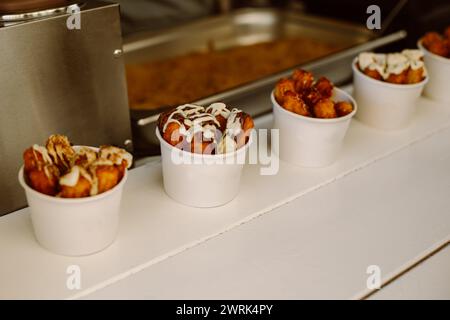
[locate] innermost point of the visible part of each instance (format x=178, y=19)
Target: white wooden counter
x=304, y=233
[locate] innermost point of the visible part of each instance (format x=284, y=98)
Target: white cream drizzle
x=43, y=151
x=392, y=63
x=194, y=117
x=115, y=155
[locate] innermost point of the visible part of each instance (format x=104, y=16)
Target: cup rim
x=318, y=120
x=388, y=84
x=26, y=187
x=201, y=155
x=431, y=54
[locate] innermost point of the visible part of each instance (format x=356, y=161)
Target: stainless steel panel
x=55, y=80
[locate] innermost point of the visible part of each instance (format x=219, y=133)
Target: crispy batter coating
x=397, y=78
x=343, y=108
x=415, y=76
x=172, y=134
x=80, y=190
x=437, y=44
x=41, y=176
x=45, y=180
x=373, y=74
x=311, y=96
x=282, y=87
x=311, y=99
x=303, y=79
x=294, y=103
x=325, y=109
x=108, y=177
x=247, y=125
x=325, y=87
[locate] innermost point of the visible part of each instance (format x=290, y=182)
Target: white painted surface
x=429, y=280
x=312, y=241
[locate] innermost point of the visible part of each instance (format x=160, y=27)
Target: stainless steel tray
x=245, y=27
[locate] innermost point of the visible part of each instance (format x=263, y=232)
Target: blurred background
x=415, y=16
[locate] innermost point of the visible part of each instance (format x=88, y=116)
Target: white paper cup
x=311, y=142
x=74, y=227
x=383, y=105
x=438, y=69
x=199, y=180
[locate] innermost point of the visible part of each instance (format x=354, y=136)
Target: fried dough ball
x=325, y=109
x=108, y=177
x=397, y=78
x=373, y=74
x=45, y=180
x=343, y=108
x=172, y=134
x=282, y=87
x=436, y=44
x=440, y=48
x=222, y=123
x=303, y=79
x=32, y=160
x=294, y=103
x=247, y=125
x=42, y=176
x=431, y=37
x=325, y=87
x=311, y=96
x=415, y=76
x=82, y=187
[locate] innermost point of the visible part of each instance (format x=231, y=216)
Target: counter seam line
x=125, y=274
x=405, y=269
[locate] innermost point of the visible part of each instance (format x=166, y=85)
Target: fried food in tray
x=302, y=95
x=178, y=80
x=438, y=44
x=205, y=130
x=58, y=169
x=406, y=67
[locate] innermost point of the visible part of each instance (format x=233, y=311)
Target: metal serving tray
x=245, y=27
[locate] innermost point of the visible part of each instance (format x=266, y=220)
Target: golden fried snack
x=431, y=37
x=107, y=176
x=44, y=180
x=59, y=170
x=201, y=130
x=60, y=150
x=343, y=108
x=325, y=109
x=437, y=44
x=373, y=73
x=172, y=134
x=247, y=125
x=324, y=87
x=282, y=87
x=77, y=183
x=303, y=79
x=397, y=78
x=311, y=97
x=439, y=47
x=294, y=103
x=39, y=171
x=415, y=75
